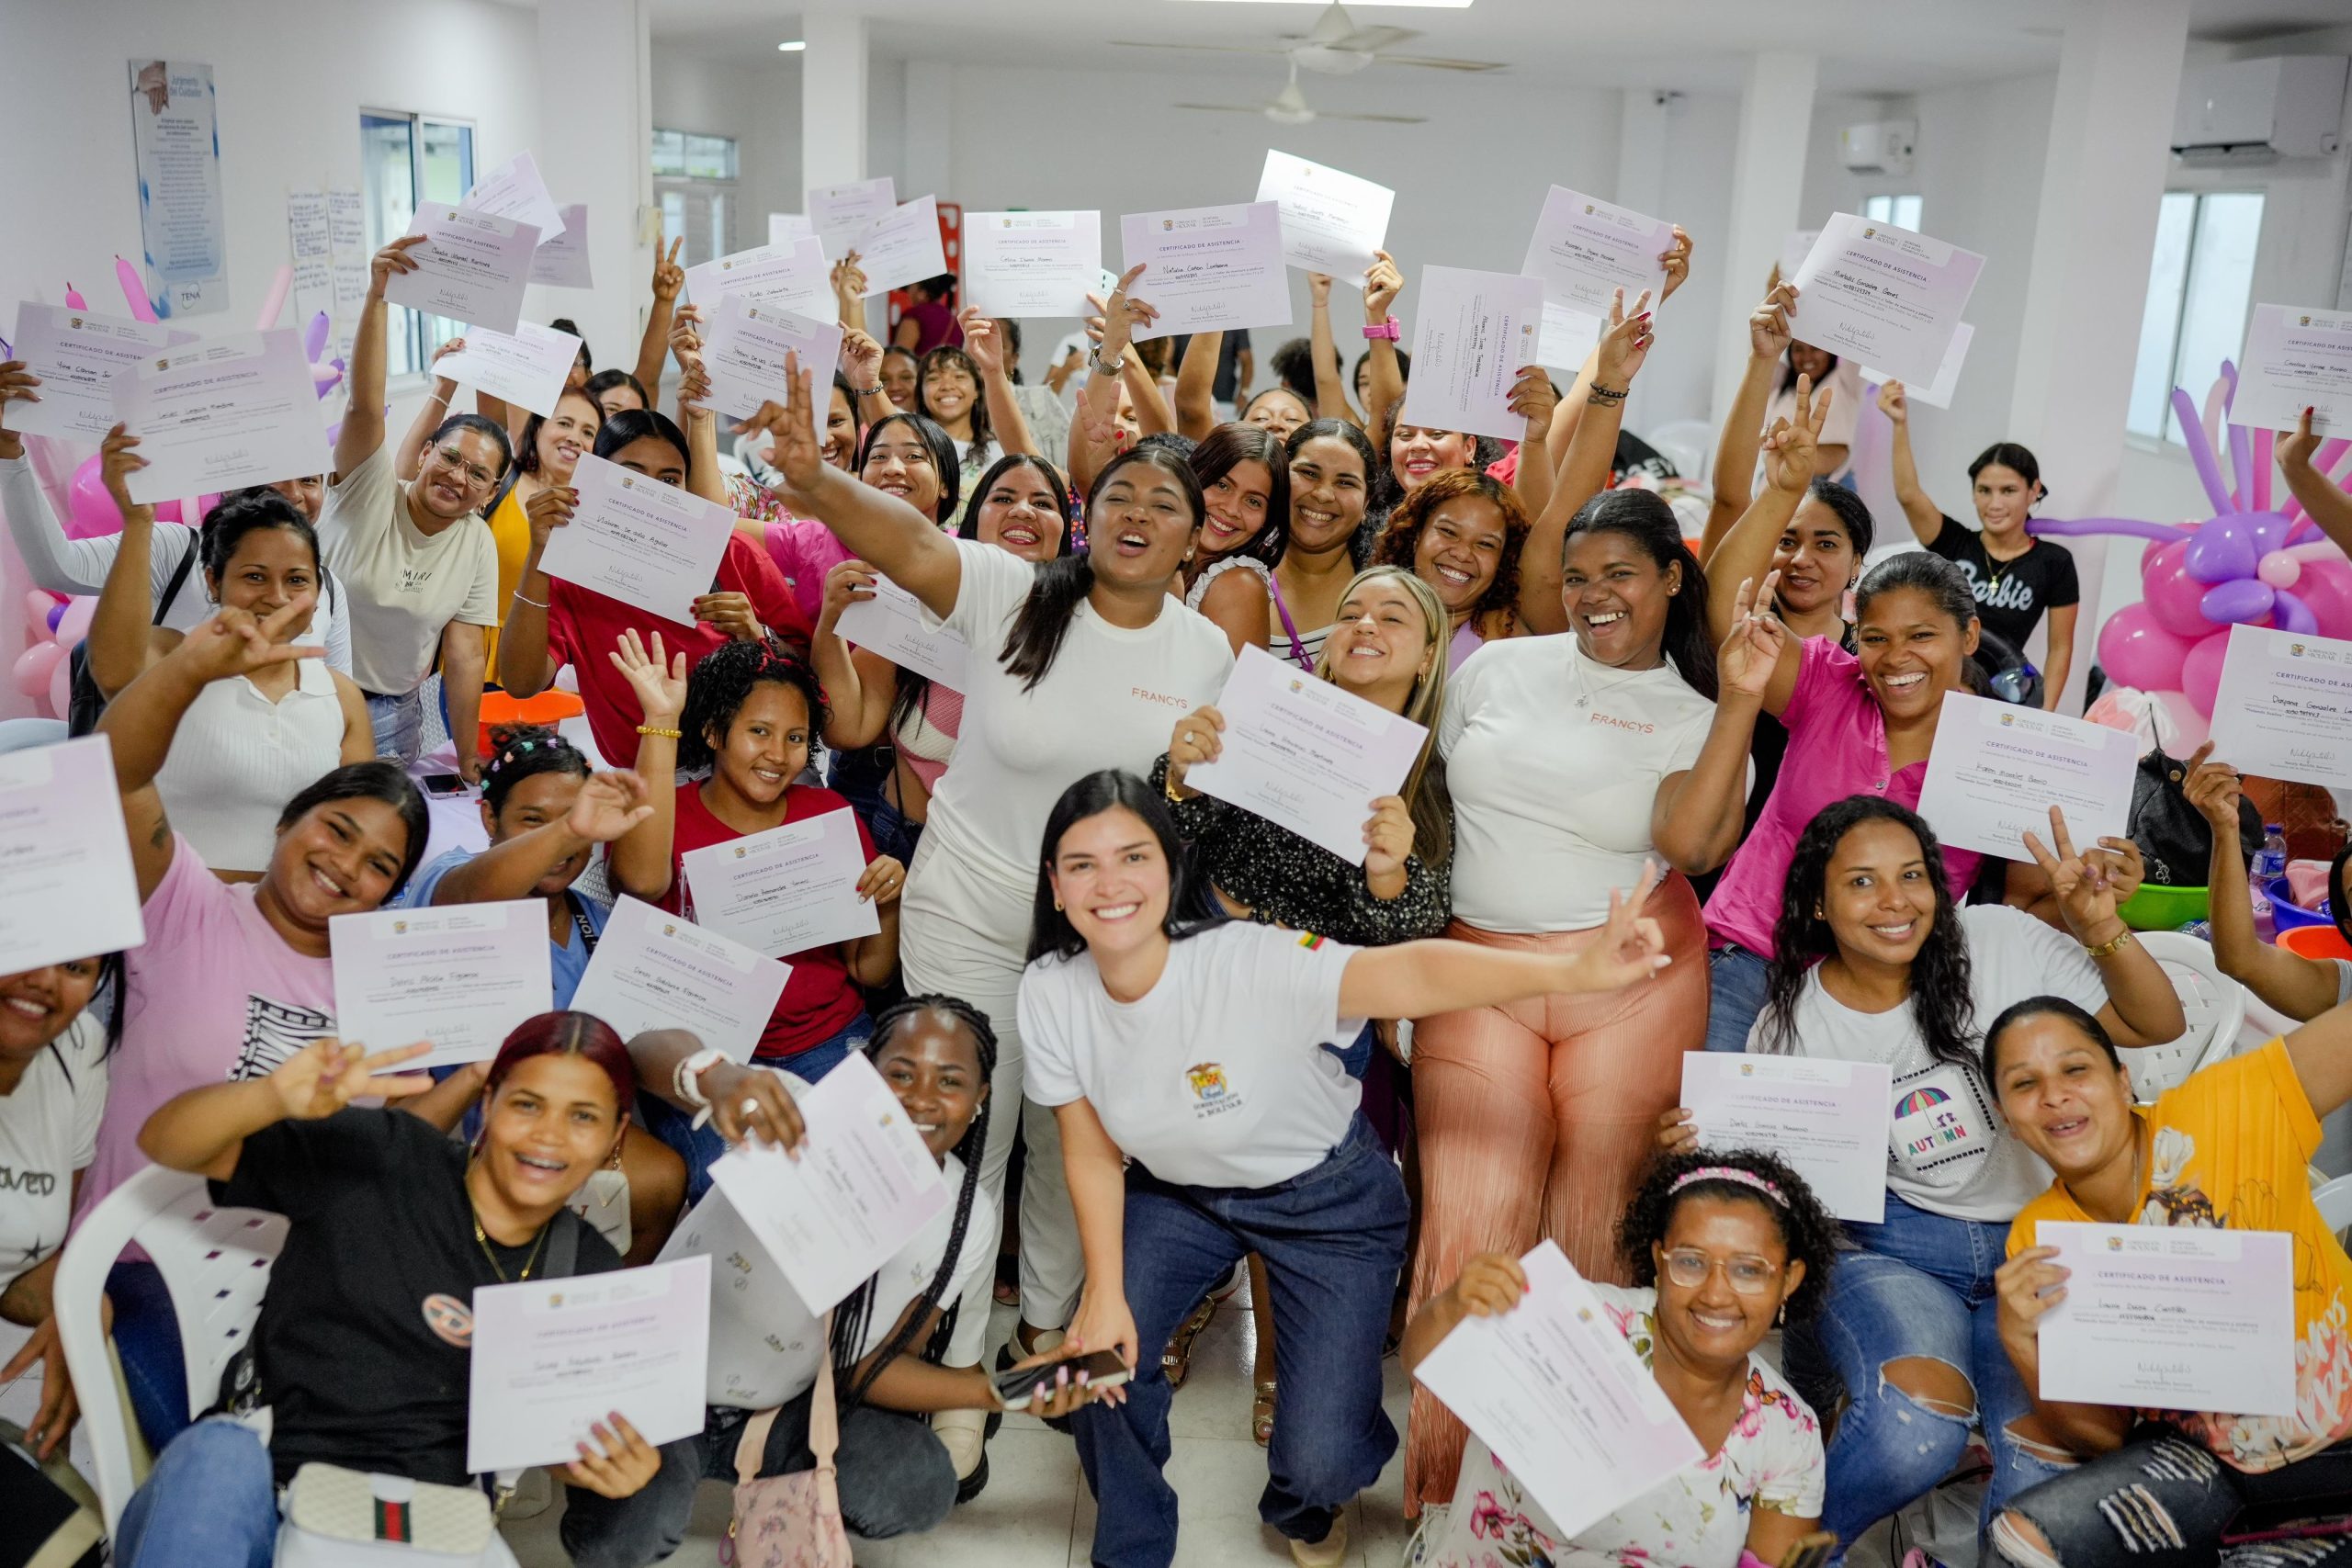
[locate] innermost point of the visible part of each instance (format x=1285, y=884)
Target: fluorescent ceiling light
x=793, y=45
x=1417, y=5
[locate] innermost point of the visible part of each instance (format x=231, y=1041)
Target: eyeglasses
x=1748, y=1276
x=450, y=457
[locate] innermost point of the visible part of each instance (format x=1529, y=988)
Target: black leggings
x=2162, y=1501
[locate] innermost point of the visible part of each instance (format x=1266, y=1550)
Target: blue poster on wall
x=175, y=135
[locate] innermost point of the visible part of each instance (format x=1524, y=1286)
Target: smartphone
x=444, y=786
x=1104, y=1368
x=1811, y=1552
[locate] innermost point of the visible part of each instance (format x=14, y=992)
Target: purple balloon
x=2245, y=601
x=2294, y=615
x=314, y=336
x=2269, y=530
x=2163, y=533
x=2222, y=551
x=56, y=613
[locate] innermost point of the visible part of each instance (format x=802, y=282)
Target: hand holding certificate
x=459, y=975
x=2284, y=706
x=1333, y=222
x=1474, y=332
x=1585, y=249
x=1209, y=268
x=786, y=890
x=747, y=348
x=1826, y=1118
x=645, y=543
x=2171, y=1318
x=1997, y=769
x=1884, y=296
x=554, y=1357
x=2295, y=359
x=1305, y=755
x=527, y=369
x=77, y=355
x=839, y=214
x=221, y=413
x=67, y=889
x=654, y=970
x=1556, y=1393
x=472, y=267
x=1031, y=264
x=841, y=1204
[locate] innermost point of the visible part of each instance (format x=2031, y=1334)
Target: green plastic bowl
x=2156, y=907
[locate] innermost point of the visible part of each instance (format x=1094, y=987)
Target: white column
x=1767, y=198
x=833, y=96
x=1641, y=185
x=594, y=145
x=929, y=117
x=2102, y=182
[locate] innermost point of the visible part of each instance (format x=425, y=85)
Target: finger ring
x=749, y=1109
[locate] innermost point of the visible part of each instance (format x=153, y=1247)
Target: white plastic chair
x=2335, y=1200
x=1688, y=444
x=25, y=734
x=215, y=1262
x=2215, y=1005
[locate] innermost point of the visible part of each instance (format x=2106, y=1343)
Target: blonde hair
x=1425, y=793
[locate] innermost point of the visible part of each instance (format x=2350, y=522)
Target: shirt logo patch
x=1213, y=1095
x=451, y=1320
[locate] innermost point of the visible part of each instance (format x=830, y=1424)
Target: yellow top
x=511, y=531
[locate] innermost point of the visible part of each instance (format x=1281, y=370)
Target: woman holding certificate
x=2229, y=1150
x=1196, y=1049
x=234, y=976
x=1077, y=664
x=2298, y=986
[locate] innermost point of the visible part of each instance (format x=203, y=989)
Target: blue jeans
x=701, y=1146
x=1736, y=995
x=1921, y=1286
x=1333, y=1238
x=398, y=723
x=1355, y=1057
x=147, y=1340
x=210, y=1501
x=893, y=834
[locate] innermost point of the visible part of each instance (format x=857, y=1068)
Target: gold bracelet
x=664, y=734
x=2109, y=948
x=1167, y=788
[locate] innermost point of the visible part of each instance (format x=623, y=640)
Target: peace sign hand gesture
x=669, y=278
x=1751, y=653
x=1790, y=450
x=2085, y=890
x=1625, y=340
x=797, y=457
x=327, y=1074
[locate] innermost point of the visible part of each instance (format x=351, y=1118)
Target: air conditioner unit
x=2252, y=111
x=1882, y=147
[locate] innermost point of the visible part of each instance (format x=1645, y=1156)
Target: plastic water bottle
x=2201, y=930
x=2271, y=860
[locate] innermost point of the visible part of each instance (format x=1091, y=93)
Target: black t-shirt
x=362, y=1346
x=2011, y=594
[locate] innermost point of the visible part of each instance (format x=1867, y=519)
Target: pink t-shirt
x=1836, y=726
x=803, y=550
x=215, y=995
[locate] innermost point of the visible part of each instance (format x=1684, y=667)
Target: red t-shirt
x=819, y=1000
x=584, y=626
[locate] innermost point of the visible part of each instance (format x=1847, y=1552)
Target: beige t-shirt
x=404, y=586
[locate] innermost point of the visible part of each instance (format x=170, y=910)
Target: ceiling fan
x=1290, y=107
x=1335, y=45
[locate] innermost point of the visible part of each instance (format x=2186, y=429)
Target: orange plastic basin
x=2315, y=942
x=551, y=708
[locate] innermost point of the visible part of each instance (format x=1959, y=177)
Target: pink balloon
x=90, y=511
x=2173, y=596
x=2279, y=570
x=273, y=300
x=32, y=668
x=2325, y=589
x=2200, y=673
x=128, y=276
x=2194, y=728
x=76, y=623
x=73, y=298
x=39, y=603
x=2135, y=649
x=60, y=689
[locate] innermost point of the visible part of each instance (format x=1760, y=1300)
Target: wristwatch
x=1386, y=329
x=1102, y=366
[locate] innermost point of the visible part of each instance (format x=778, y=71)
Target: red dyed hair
x=568, y=1034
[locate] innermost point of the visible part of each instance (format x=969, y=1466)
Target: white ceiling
x=1866, y=45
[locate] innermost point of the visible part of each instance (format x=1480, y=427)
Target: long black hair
x=1808, y=1231
x=1189, y=910
x=238, y=514
x=1941, y=1004
x=603, y=381
x=1062, y=584
x=632, y=425
x=854, y=1317
x=954, y=358
x=1229, y=446
x=374, y=780
x=1644, y=517
x=935, y=441
x=720, y=684
x=1946, y=587
x=526, y=459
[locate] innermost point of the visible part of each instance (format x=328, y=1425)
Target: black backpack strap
x=563, y=1246
x=179, y=576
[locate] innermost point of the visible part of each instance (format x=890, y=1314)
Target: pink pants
x=1536, y=1121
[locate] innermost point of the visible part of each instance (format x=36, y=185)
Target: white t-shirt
x=404, y=587
x=2342, y=980
x=48, y=1130
x=1217, y=1077
x=1949, y=1151
x=1553, y=762
x=765, y=1346
x=1110, y=700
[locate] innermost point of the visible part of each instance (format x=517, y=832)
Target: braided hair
x=854, y=1317
x=524, y=750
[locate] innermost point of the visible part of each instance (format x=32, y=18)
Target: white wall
x=758, y=103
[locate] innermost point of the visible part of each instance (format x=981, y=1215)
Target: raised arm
x=363, y=415
x=1534, y=398
x=2328, y=504
x=118, y=643
x=1383, y=386
x=607, y=806
x=204, y=1131
x=525, y=667
x=1330, y=380
x=1927, y=519
x=668, y=278
x=859, y=686
x=1699, y=813
x=2142, y=1008
x=1592, y=453
x=985, y=348
x=641, y=861
x=1734, y=469
x=1196, y=385
x=408, y=458
x=861, y=362
x=2301, y=988
x=695, y=418
x=1414, y=979
x=1091, y=424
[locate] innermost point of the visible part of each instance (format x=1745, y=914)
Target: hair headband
x=1728, y=1173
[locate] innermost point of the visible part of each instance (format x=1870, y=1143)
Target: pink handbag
x=790, y=1521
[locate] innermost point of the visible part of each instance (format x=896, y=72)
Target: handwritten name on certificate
x=1585, y=249
x=1032, y=264
x=77, y=355
x=459, y=975
x=655, y=970
x=1209, y=268
x=1556, y=1393
x=895, y=625
x=786, y=890
x=1997, y=769
x=862, y=1186
x=553, y=1358
x=636, y=540
x=748, y=355
x=2295, y=359
x=1473, y=332
x=225, y=412
x=562, y=262
x=839, y=214
x=472, y=267
x=1826, y=1117
x=790, y=276
x=901, y=247
x=67, y=889
x=1884, y=296
x=1332, y=221
x=2162, y=1317
x=527, y=369
x=1304, y=754
x=2284, y=707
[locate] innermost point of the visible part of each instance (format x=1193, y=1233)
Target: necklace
x=1585, y=693
x=481, y=1240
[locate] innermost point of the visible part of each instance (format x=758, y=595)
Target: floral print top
x=1771, y=1460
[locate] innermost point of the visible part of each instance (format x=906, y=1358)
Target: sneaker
x=1328, y=1552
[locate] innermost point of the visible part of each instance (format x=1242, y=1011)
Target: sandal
x=1262, y=1414
x=1176, y=1360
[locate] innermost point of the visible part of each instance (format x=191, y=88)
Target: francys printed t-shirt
x=1216, y=1076
x=2230, y=1150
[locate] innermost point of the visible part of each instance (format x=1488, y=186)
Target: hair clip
x=1731, y=1173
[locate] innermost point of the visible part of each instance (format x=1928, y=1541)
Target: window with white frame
x=1903, y=211
x=2201, y=284
x=405, y=159
x=693, y=180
